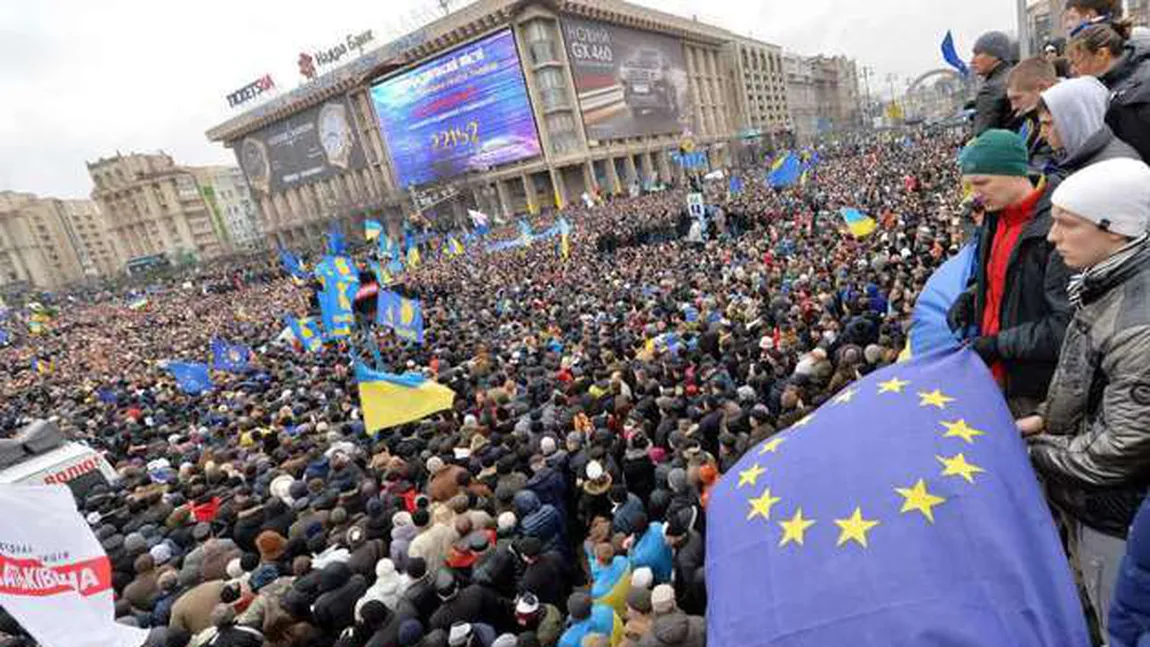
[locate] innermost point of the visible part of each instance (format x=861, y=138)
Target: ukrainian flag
x=413, y=257
x=42, y=366
x=453, y=247
x=388, y=399
x=858, y=222
x=308, y=332
x=372, y=229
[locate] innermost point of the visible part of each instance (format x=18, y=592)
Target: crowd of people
x=600, y=394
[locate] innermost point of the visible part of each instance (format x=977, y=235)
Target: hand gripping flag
x=929, y=330
x=389, y=400
x=233, y=358
x=193, y=378
x=904, y=511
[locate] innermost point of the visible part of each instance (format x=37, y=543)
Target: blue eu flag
x=233, y=358
x=192, y=377
x=904, y=511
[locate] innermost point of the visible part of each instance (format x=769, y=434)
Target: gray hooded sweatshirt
x=1078, y=107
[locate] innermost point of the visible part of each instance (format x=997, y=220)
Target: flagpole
x=1023, y=30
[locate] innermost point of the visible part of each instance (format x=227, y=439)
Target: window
x=552, y=90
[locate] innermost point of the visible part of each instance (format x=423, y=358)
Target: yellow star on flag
x=771, y=446
x=933, y=398
x=957, y=466
x=761, y=506
x=846, y=396
x=893, y=385
x=960, y=429
x=794, y=528
x=917, y=498
x=854, y=527
x=750, y=475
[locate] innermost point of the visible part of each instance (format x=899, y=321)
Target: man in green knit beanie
x=1016, y=310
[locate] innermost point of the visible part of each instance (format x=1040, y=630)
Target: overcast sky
x=81, y=79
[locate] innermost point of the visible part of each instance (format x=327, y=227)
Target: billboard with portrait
x=630, y=83
x=308, y=146
x=462, y=111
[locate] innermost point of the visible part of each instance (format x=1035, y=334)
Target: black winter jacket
x=1129, y=83
x=992, y=109
x=1035, y=308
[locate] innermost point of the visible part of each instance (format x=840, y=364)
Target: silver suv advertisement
x=630, y=83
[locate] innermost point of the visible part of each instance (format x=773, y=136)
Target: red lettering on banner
x=30, y=577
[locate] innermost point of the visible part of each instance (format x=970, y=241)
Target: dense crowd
x=599, y=395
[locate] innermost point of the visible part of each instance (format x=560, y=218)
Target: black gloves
x=961, y=313
x=987, y=348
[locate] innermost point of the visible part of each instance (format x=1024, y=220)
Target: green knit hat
x=995, y=152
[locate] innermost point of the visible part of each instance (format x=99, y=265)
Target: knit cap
x=995, y=152
x=1113, y=194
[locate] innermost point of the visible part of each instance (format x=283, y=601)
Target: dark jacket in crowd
x=473, y=604
x=1035, y=308
x=335, y=607
x=992, y=108
x=546, y=578
x=690, y=584
x=1130, y=607
x=1129, y=83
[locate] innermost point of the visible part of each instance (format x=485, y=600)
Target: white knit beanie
x=1114, y=194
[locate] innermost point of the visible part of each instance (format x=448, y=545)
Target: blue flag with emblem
x=307, y=331
x=233, y=358
x=340, y=280
x=403, y=315
x=193, y=378
x=904, y=511
x=291, y=264
x=336, y=241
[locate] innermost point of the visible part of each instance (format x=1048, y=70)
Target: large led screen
x=311, y=145
x=630, y=83
x=466, y=110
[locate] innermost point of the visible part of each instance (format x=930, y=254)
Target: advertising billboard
x=311, y=145
x=630, y=83
x=465, y=110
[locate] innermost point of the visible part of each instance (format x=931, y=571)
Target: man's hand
x=961, y=313
x=987, y=348
x=1030, y=425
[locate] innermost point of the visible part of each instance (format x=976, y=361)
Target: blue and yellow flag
x=859, y=223
x=388, y=399
x=340, y=284
x=291, y=264
x=403, y=315
x=413, y=258
x=929, y=330
x=336, y=241
x=307, y=331
x=453, y=247
x=785, y=171
x=43, y=366
x=904, y=511
x=372, y=229
x=193, y=378
x=232, y=358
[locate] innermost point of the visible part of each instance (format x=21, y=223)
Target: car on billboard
x=646, y=81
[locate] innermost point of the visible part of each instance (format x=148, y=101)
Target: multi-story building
x=226, y=191
x=506, y=106
x=1044, y=22
x=822, y=94
x=49, y=242
x=152, y=206
x=761, y=86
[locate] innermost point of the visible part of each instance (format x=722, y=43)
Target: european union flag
x=735, y=185
x=928, y=327
x=233, y=358
x=193, y=378
x=951, y=56
x=403, y=315
x=904, y=511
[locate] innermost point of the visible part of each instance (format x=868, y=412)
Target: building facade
x=226, y=192
x=822, y=94
x=49, y=242
x=610, y=90
x=152, y=206
x=761, y=87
